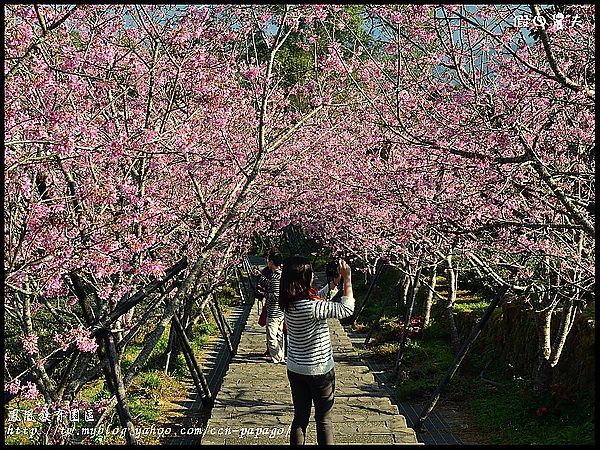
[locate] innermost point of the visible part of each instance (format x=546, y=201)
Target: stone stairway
x=254, y=405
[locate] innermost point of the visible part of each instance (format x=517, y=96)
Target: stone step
x=254, y=405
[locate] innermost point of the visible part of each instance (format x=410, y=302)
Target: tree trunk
x=404, y=293
x=186, y=316
x=86, y=296
x=171, y=307
x=543, y=370
x=79, y=376
x=451, y=276
x=170, y=347
x=407, y=318
x=241, y=285
x=120, y=390
x=201, y=303
x=566, y=323
x=429, y=299
x=224, y=321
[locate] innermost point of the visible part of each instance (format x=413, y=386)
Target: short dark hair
x=295, y=282
x=276, y=257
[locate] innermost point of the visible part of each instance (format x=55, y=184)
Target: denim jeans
x=306, y=390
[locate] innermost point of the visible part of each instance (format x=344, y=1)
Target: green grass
x=477, y=307
x=156, y=360
x=423, y=365
x=152, y=380
x=386, y=351
x=508, y=415
x=129, y=355
x=178, y=368
x=201, y=333
x=144, y=410
x=319, y=262
x=505, y=412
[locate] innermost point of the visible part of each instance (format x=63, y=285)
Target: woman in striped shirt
x=310, y=356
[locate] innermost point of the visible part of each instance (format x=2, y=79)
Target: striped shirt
x=272, y=296
x=309, y=343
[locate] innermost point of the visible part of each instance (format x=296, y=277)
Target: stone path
x=254, y=404
x=435, y=430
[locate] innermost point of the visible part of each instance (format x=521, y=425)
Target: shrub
x=556, y=401
x=153, y=380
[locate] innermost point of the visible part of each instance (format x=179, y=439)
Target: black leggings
x=308, y=389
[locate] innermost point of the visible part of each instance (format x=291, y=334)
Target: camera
x=331, y=269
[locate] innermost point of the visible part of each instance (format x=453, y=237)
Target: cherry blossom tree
x=145, y=145
x=486, y=142
x=134, y=138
